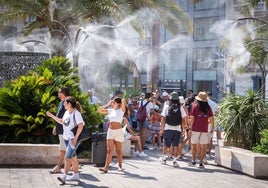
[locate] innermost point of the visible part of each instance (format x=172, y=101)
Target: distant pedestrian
x=145, y=125
x=189, y=100
x=214, y=107
x=155, y=128
x=92, y=98
x=118, y=94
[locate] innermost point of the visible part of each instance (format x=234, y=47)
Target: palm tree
x=59, y=15
x=257, y=46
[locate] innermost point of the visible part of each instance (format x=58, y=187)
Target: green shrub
x=242, y=118
x=25, y=100
x=263, y=146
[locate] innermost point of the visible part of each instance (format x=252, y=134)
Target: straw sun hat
x=202, y=96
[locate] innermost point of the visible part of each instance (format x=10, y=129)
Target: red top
x=200, y=119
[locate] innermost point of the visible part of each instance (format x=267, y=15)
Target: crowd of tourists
x=166, y=120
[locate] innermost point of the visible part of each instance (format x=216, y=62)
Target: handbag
x=84, y=135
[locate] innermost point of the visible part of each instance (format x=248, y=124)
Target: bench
x=242, y=160
x=126, y=149
x=18, y=155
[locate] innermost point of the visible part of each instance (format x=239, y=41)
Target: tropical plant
x=242, y=118
x=262, y=147
x=59, y=15
x=25, y=100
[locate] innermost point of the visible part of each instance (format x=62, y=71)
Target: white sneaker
x=175, y=163
x=163, y=159
x=62, y=179
x=142, y=154
x=120, y=169
x=74, y=177
x=136, y=153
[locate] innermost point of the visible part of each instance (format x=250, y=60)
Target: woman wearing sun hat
x=201, y=114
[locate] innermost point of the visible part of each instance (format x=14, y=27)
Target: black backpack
x=174, y=115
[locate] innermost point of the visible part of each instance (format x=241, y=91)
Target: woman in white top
x=115, y=135
x=71, y=118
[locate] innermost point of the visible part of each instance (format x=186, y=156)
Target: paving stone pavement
x=139, y=172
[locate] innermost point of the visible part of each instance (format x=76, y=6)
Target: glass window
x=206, y=4
x=237, y=2
x=177, y=59
x=202, y=28
x=205, y=59
x=175, y=63
x=182, y=4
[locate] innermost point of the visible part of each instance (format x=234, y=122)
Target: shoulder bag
x=84, y=135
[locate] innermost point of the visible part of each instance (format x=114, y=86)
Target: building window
x=182, y=4
x=237, y=2
x=205, y=59
x=202, y=28
x=175, y=64
x=207, y=4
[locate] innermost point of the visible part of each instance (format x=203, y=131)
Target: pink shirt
x=200, y=119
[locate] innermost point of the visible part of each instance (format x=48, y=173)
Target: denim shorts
x=70, y=151
x=145, y=124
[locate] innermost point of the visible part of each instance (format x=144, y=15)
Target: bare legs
x=157, y=135
x=137, y=141
x=75, y=164
x=143, y=134
x=110, y=148
x=199, y=150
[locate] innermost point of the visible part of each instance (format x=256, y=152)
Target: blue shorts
x=171, y=137
x=145, y=124
x=70, y=151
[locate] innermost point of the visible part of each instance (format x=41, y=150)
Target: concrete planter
x=29, y=155
x=245, y=161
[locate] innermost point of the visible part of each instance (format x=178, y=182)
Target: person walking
x=115, y=135
x=71, y=118
x=92, y=99
x=144, y=126
x=63, y=93
x=201, y=114
x=173, y=118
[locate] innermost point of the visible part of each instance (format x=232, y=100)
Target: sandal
x=55, y=170
x=103, y=170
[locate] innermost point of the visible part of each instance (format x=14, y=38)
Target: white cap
x=182, y=101
x=164, y=94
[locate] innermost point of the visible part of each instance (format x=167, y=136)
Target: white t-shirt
x=165, y=113
x=115, y=115
x=68, y=123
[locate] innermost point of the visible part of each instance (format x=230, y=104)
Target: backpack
x=141, y=114
x=174, y=115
